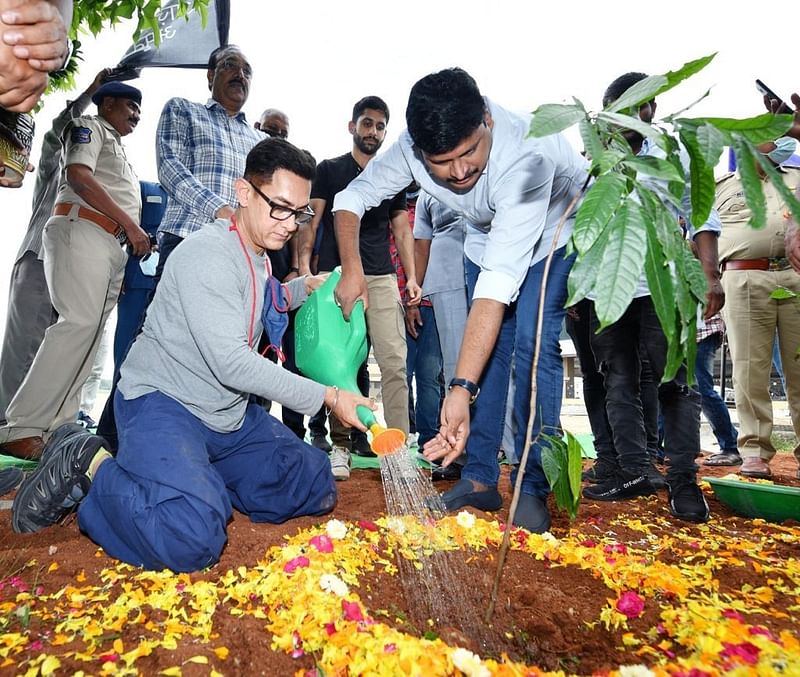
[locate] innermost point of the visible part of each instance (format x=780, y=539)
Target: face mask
x=148, y=263
x=784, y=149
x=275, y=315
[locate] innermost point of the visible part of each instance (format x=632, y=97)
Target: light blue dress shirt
x=513, y=210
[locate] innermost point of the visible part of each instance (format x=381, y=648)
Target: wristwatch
x=469, y=386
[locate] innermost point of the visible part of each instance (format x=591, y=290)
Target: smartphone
x=766, y=91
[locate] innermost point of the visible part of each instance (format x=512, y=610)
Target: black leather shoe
x=451, y=472
x=724, y=458
x=464, y=494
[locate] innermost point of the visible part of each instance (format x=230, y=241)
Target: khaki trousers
x=84, y=267
x=387, y=332
x=752, y=318
x=29, y=315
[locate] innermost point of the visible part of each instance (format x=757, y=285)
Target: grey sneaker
x=340, y=463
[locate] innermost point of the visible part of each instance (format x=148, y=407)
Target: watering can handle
x=357, y=315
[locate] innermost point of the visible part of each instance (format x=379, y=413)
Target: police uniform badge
x=81, y=135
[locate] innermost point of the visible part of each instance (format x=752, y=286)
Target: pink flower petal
x=322, y=543
x=296, y=563
x=352, y=611
x=630, y=604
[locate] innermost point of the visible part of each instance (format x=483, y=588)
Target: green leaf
x=591, y=139
x=575, y=458
x=600, y=202
x=675, y=356
x=649, y=88
x=751, y=182
x=555, y=117
x=696, y=278
x=782, y=293
x=609, y=159
x=584, y=271
x=655, y=167
x=659, y=280
x=639, y=93
x=556, y=465
x=621, y=265
x=550, y=465
x=628, y=122
x=710, y=142
x=701, y=177
x=686, y=71
x=759, y=129
x=776, y=178
x=691, y=352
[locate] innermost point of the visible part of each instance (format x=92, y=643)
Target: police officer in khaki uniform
x=754, y=265
x=98, y=208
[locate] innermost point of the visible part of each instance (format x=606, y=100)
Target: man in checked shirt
x=201, y=150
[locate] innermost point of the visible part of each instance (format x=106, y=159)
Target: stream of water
x=436, y=583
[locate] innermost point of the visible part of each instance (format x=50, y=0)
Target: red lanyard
x=268, y=270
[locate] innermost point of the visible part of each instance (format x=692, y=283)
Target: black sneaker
x=656, y=477
x=321, y=443
x=56, y=487
x=359, y=445
x=625, y=485
x=86, y=420
x=601, y=471
x=686, y=500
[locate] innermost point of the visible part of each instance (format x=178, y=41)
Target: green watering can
x=330, y=350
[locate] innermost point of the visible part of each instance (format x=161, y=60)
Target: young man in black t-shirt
x=385, y=323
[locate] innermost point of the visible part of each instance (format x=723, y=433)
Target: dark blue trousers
x=165, y=500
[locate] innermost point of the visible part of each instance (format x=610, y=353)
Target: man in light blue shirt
x=474, y=157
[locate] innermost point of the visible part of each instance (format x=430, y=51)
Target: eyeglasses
x=281, y=212
x=231, y=64
x=275, y=132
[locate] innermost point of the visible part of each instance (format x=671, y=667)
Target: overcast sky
x=314, y=59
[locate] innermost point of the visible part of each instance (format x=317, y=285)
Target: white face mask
x=149, y=263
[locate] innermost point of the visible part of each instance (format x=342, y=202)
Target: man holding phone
x=754, y=264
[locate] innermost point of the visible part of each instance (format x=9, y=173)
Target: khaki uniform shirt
x=738, y=239
x=93, y=142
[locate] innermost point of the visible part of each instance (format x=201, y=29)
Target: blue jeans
x=424, y=364
x=713, y=407
x=516, y=337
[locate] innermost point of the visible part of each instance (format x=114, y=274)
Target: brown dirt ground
x=544, y=609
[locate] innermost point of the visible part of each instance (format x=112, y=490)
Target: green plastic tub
x=770, y=502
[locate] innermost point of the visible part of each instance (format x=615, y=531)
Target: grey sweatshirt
x=194, y=344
